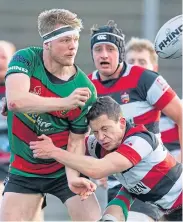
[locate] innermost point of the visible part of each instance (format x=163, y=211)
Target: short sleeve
x=155, y=89
x=136, y=147
x=21, y=62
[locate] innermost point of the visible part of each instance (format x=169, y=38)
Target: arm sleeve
x=155, y=89
x=21, y=62
x=136, y=147
x=79, y=125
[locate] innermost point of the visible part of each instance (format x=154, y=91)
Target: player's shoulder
x=138, y=134
x=151, y=73
x=148, y=77
x=25, y=61
x=146, y=72
x=29, y=52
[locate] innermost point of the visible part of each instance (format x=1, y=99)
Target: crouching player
x=132, y=154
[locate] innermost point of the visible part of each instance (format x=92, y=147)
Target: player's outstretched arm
x=19, y=99
x=89, y=166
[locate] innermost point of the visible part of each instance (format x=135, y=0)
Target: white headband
x=60, y=32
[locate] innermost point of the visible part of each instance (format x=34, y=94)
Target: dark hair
x=104, y=106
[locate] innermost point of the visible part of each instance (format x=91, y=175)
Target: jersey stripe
x=37, y=87
x=123, y=83
x=54, y=124
x=141, y=93
x=129, y=153
x=159, y=171
x=164, y=186
x=22, y=131
x=169, y=200
x=137, y=144
x=23, y=165
x=136, y=108
x=165, y=99
x=25, y=134
x=157, y=89
x=156, y=177
x=60, y=139
x=166, y=123
x=178, y=202
x=170, y=135
x=124, y=199
x=139, y=171
x=148, y=117
x=169, y=130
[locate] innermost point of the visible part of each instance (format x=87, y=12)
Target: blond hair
x=138, y=44
x=8, y=47
x=48, y=20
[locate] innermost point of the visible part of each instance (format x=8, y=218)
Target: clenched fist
x=78, y=98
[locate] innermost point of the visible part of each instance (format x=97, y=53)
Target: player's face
x=3, y=63
x=109, y=133
x=140, y=58
x=106, y=58
x=63, y=50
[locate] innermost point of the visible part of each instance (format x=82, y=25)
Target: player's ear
x=122, y=122
x=46, y=45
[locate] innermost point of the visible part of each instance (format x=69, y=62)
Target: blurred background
x=139, y=18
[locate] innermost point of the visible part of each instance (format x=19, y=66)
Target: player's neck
x=58, y=70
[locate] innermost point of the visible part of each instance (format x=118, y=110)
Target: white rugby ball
x=168, y=41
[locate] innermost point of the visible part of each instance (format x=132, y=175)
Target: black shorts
x=35, y=185
x=137, y=206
